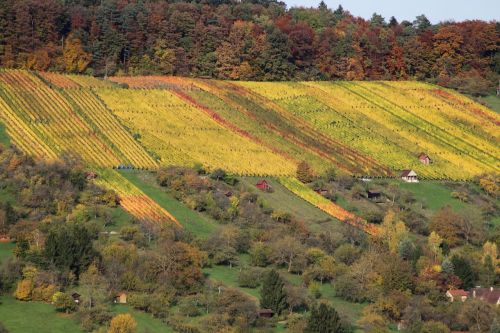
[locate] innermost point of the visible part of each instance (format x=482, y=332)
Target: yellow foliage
x=123, y=323
x=23, y=290
x=74, y=58
x=490, y=249
x=393, y=231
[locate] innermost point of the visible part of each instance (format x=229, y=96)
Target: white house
x=409, y=176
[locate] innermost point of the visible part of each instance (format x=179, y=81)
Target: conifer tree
x=324, y=319
x=272, y=294
x=464, y=271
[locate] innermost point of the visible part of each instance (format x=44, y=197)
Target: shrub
x=63, y=302
x=250, y=278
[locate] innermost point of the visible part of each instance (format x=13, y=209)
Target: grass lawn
x=194, y=222
x=145, y=322
x=229, y=276
x=121, y=218
x=352, y=311
x=34, y=317
x=284, y=200
x=433, y=194
x=492, y=101
x=4, y=138
x=6, y=251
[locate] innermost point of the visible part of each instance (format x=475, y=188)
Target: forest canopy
x=244, y=40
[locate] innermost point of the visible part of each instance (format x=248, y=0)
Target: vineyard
x=247, y=128
x=304, y=192
x=134, y=200
x=394, y=122
x=182, y=134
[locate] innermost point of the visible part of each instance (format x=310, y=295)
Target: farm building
x=490, y=295
x=76, y=297
x=373, y=194
x=263, y=185
x=424, y=158
x=457, y=295
x=121, y=298
x=266, y=313
x=409, y=176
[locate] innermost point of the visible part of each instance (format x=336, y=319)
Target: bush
x=63, y=302
x=91, y=319
x=250, y=278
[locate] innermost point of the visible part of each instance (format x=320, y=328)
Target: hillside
x=247, y=128
x=194, y=247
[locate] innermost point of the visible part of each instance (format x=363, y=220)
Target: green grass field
x=229, y=276
x=194, y=222
x=38, y=317
x=34, y=317
x=434, y=195
x=492, y=101
x=6, y=251
x=121, y=219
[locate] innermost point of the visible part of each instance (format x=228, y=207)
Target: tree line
x=244, y=40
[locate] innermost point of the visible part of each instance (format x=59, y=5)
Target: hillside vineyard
x=365, y=128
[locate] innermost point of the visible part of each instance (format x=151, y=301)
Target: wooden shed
x=263, y=185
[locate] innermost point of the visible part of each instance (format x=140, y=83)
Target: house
x=121, y=298
x=490, y=295
x=373, y=194
x=76, y=297
x=424, y=158
x=90, y=175
x=457, y=295
x=263, y=185
x=266, y=313
x=409, y=176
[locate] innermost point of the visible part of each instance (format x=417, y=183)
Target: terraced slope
x=50, y=124
x=250, y=128
x=393, y=122
x=182, y=134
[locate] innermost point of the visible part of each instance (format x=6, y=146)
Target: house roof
x=458, y=292
x=373, y=192
x=262, y=182
x=407, y=173
x=490, y=295
x=423, y=155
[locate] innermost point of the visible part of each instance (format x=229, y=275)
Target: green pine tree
x=324, y=319
x=272, y=294
x=464, y=271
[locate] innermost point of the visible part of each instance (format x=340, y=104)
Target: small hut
x=266, y=313
x=121, y=298
x=263, y=185
x=409, y=176
x=424, y=159
x=76, y=297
